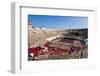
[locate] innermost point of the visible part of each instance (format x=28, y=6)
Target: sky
x=58, y=22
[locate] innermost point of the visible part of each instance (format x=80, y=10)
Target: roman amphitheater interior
x=54, y=43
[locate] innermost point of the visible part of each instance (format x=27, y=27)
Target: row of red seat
x=37, y=50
